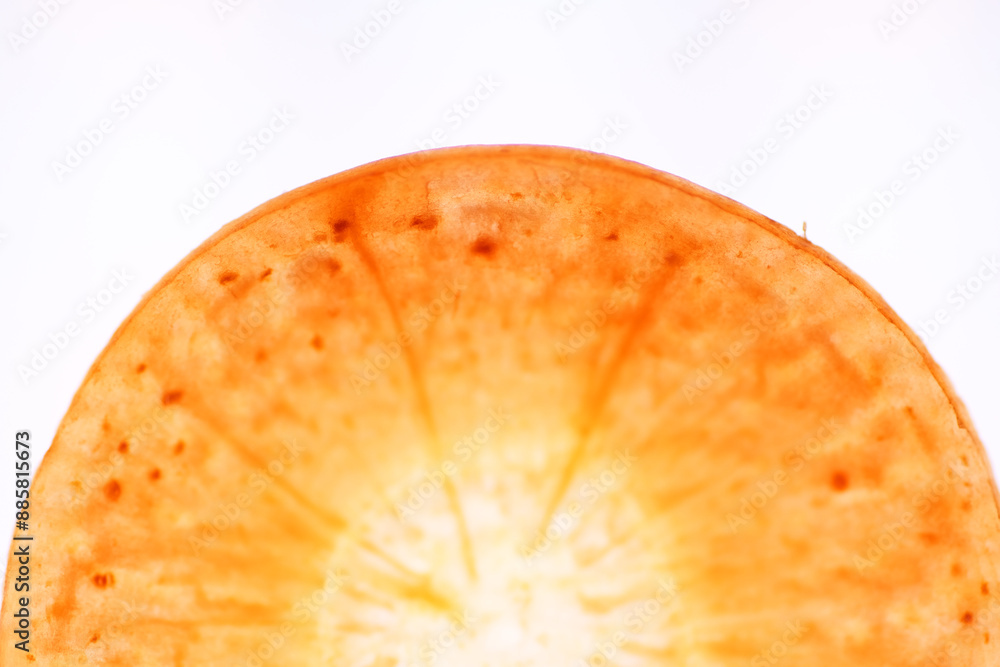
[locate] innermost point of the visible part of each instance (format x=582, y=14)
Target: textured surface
x=513, y=406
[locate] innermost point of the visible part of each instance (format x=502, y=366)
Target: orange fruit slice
x=512, y=406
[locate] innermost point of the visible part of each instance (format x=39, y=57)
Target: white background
x=561, y=76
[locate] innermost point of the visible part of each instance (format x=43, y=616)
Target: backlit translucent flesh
x=634, y=360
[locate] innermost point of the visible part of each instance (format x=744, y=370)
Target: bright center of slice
x=561, y=593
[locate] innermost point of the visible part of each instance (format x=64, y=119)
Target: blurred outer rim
x=409, y=160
